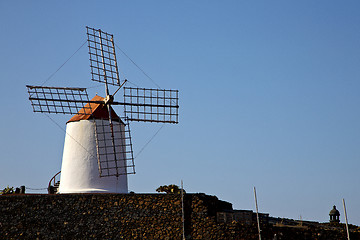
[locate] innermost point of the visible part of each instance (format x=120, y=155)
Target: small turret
x=334, y=215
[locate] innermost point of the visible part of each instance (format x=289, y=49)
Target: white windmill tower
x=98, y=152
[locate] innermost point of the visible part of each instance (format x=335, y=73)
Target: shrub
x=170, y=189
x=7, y=190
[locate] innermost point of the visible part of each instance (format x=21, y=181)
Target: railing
x=53, y=180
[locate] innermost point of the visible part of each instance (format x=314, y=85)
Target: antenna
x=257, y=214
x=140, y=104
x=346, y=220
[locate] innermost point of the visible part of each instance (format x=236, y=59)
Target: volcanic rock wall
x=81, y=216
x=132, y=216
x=121, y=216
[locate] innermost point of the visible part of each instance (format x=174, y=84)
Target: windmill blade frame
x=103, y=63
x=118, y=160
x=151, y=105
x=64, y=100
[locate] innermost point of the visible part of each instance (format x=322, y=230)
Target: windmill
x=98, y=153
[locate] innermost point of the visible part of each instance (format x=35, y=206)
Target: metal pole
x=257, y=214
x=346, y=220
x=182, y=210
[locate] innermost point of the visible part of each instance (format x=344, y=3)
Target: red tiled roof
x=99, y=111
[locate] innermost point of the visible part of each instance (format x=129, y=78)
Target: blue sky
x=269, y=96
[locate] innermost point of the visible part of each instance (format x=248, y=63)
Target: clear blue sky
x=269, y=96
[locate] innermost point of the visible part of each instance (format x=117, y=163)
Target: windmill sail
x=103, y=62
x=63, y=100
x=120, y=161
x=151, y=105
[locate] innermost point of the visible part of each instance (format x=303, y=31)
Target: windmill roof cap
x=95, y=111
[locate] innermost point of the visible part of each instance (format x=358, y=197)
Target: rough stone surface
x=136, y=216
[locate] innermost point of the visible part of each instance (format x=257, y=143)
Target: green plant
x=7, y=190
x=170, y=189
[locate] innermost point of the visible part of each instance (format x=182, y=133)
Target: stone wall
x=134, y=216
x=75, y=216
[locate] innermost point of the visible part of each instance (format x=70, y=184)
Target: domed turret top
x=334, y=212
